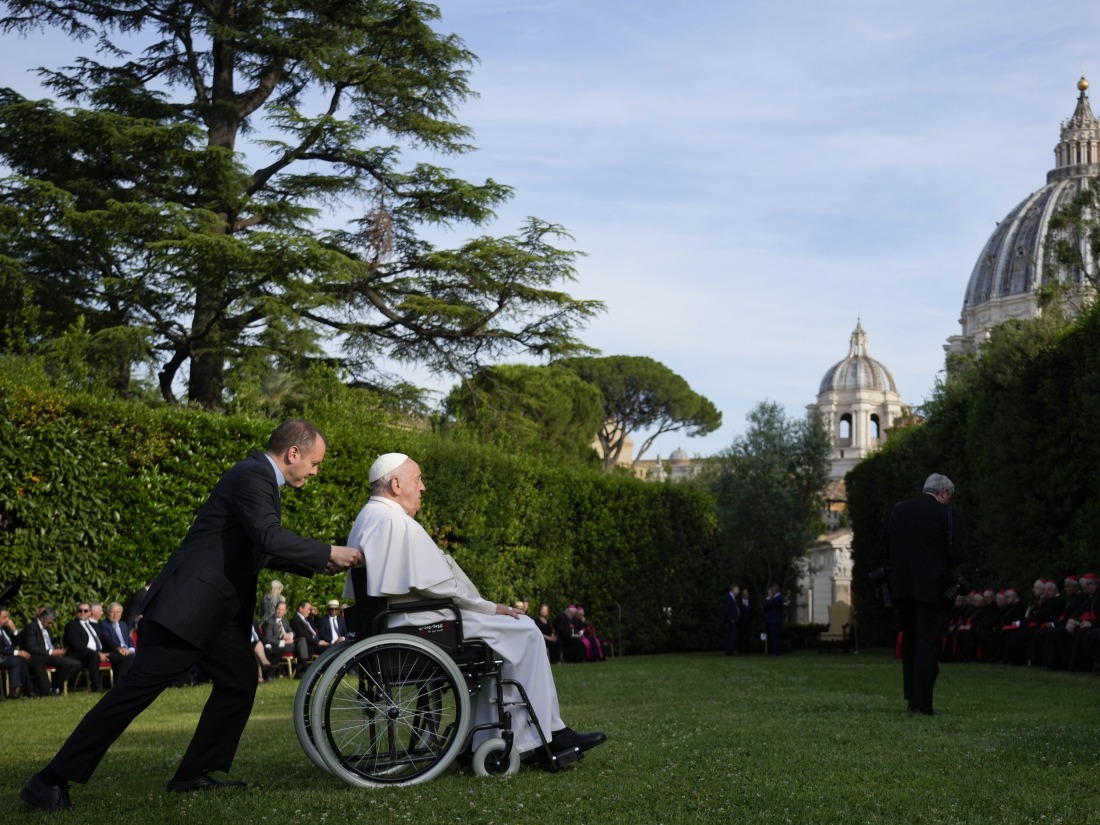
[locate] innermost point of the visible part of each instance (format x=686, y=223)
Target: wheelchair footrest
x=566, y=757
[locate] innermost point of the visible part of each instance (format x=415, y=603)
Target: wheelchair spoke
x=392, y=713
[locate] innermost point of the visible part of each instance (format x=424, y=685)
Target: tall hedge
x=96, y=493
x=1014, y=430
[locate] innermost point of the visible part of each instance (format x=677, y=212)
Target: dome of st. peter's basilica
x=1012, y=263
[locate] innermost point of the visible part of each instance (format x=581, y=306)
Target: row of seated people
x=1058, y=630
x=570, y=637
x=303, y=636
x=39, y=661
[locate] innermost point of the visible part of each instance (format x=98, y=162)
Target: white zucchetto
x=385, y=464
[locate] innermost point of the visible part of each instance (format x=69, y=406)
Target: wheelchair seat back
x=368, y=616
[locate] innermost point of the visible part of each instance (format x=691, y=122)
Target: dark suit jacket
x=731, y=609
x=75, y=639
x=209, y=582
x=30, y=639
x=302, y=628
x=107, y=636
x=773, y=609
x=923, y=546
x=325, y=631
x=271, y=633
x=564, y=627
x=7, y=642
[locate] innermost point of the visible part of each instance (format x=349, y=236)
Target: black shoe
x=43, y=797
x=567, y=738
x=202, y=782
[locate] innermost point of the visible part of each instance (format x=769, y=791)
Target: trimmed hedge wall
x=1014, y=430
x=95, y=494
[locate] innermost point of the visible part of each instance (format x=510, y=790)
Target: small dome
x=859, y=371
x=678, y=456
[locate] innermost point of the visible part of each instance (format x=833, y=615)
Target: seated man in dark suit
x=114, y=635
x=35, y=638
x=332, y=629
x=571, y=648
x=276, y=635
x=13, y=660
x=307, y=641
x=84, y=645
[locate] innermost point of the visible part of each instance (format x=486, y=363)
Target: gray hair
x=381, y=485
x=936, y=484
x=113, y=605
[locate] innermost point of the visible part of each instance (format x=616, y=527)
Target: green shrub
x=96, y=493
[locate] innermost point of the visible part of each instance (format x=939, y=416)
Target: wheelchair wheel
x=390, y=710
x=488, y=759
x=302, y=701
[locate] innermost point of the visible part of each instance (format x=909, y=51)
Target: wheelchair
x=393, y=707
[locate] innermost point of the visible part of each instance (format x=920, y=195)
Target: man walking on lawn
x=923, y=547
x=199, y=611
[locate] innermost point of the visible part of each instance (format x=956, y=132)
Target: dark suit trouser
x=17, y=671
x=921, y=633
x=731, y=638
x=119, y=665
x=64, y=669
x=89, y=662
x=772, y=630
x=161, y=659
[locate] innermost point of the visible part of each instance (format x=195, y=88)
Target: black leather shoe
x=568, y=738
x=43, y=797
x=202, y=782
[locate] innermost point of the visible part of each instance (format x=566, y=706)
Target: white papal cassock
x=404, y=564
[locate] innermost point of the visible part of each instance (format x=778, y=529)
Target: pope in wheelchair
x=389, y=709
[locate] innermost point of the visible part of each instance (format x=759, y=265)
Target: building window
x=876, y=429
x=844, y=431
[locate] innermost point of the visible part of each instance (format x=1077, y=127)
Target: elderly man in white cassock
x=404, y=564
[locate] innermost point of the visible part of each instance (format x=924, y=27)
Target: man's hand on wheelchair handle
x=341, y=558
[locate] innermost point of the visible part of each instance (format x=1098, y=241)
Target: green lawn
x=698, y=738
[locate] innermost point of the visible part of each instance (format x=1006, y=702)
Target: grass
x=696, y=738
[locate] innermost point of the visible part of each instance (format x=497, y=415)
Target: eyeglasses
x=84, y=610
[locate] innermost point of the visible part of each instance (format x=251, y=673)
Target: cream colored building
x=858, y=401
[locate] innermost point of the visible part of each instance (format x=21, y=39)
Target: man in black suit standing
x=731, y=612
x=923, y=547
x=199, y=612
x=744, y=623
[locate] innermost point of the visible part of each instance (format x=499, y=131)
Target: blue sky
x=748, y=177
